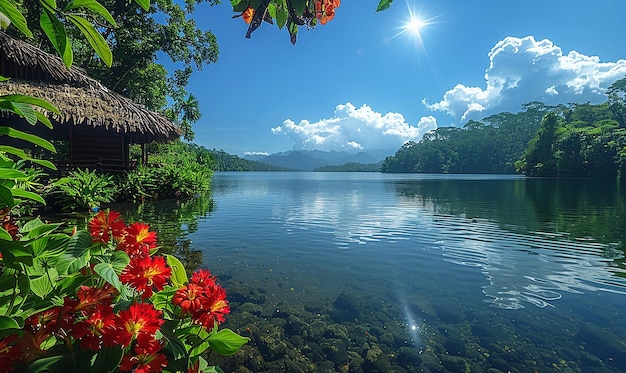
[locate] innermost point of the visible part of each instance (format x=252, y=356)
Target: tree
x=617, y=100
x=164, y=28
x=190, y=110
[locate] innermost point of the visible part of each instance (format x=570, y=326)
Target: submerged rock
x=346, y=307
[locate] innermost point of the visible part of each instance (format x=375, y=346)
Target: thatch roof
x=79, y=98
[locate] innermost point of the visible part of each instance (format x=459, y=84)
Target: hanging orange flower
x=325, y=10
x=248, y=14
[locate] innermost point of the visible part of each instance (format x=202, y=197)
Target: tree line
x=567, y=140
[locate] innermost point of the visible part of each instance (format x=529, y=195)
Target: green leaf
x=8, y=323
x=15, y=16
x=179, y=275
x=22, y=154
x=50, y=246
x=6, y=197
x=383, y=4
x=44, y=119
x=106, y=271
x=37, y=228
x=239, y=5
x=212, y=369
x=28, y=195
x=76, y=255
x=55, y=31
x=6, y=173
x=14, y=253
x=108, y=359
x=3, y=79
x=162, y=299
x=226, y=342
x=94, y=38
x=299, y=6
x=45, y=364
x=174, y=345
x=26, y=112
x=42, y=285
x=5, y=235
x=282, y=13
x=35, y=101
x=119, y=260
x=95, y=7
x=33, y=139
x=144, y=4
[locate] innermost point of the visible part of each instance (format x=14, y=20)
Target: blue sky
x=360, y=83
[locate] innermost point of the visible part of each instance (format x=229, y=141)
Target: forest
x=567, y=140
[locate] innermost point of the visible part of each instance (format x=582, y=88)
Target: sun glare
x=414, y=25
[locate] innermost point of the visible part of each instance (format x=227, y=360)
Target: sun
x=414, y=25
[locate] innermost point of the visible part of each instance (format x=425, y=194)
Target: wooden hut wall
x=96, y=148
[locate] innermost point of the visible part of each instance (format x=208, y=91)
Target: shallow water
x=472, y=271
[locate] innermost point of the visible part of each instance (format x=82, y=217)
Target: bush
x=84, y=190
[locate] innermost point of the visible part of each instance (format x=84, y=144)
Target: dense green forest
x=223, y=161
x=350, y=167
x=573, y=140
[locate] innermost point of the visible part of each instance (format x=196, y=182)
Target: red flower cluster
x=91, y=320
x=203, y=299
x=325, y=10
x=135, y=239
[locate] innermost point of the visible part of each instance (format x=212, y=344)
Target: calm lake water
x=438, y=272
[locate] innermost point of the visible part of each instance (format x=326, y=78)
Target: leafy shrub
x=84, y=189
x=174, y=170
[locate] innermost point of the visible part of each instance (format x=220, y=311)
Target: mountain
x=309, y=160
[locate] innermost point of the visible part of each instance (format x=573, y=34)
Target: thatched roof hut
x=98, y=123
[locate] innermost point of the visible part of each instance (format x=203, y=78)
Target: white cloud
x=256, y=153
x=354, y=129
x=523, y=70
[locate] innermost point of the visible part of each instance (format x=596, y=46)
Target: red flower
x=215, y=309
x=9, y=353
x=96, y=329
x=138, y=240
x=248, y=14
x=146, y=360
x=325, y=10
x=203, y=299
x=191, y=298
x=30, y=344
x=144, y=273
x=139, y=321
x=90, y=297
x=105, y=224
x=202, y=278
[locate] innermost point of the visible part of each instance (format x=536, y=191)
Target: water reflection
x=531, y=248
x=173, y=221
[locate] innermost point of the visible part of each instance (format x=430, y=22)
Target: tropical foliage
x=289, y=14
x=84, y=190
x=101, y=299
x=130, y=66
x=174, y=170
x=574, y=140
x=489, y=146
x=223, y=161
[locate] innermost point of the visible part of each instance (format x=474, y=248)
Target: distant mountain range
x=309, y=160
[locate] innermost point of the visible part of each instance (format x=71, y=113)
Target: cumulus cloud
x=256, y=153
x=354, y=129
x=524, y=69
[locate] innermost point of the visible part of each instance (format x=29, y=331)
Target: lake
x=369, y=272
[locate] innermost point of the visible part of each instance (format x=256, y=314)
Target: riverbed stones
x=346, y=307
